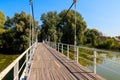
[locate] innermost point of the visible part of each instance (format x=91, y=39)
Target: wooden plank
x=47, y=64
x=85, y=72
x=32, y=75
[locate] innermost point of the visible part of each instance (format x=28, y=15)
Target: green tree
x=18, y=31
x=8, y=22
x=2, y=19
x=106, y=44
x=92, y=36
x=49, y=26
x=8, y=40
x=118, y=46
x=68, y=27
x=2, y=30
x=21, y=28
x=109, y=43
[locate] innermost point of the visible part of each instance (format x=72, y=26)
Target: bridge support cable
x=95, y=56
x=30, y=27
x=34, y=29
x=75, y=43
x=68, y=11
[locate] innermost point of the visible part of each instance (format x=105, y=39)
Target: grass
x=6, y=59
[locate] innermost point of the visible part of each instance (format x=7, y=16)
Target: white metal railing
x=69, y=50
x=17, y=67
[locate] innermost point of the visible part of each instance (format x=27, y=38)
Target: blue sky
x=103, y=15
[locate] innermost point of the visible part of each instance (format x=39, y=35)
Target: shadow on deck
x=48, y=64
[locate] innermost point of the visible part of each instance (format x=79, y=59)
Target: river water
x=109, y=67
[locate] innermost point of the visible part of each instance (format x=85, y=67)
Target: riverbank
x=6, y=59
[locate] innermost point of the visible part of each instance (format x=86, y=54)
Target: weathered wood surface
x=48, y=64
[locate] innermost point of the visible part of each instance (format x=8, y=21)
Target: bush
x=107, y=44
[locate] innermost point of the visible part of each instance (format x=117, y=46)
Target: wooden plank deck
x=48, y=64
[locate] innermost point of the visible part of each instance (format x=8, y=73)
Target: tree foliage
x=68, y=27
x=2, y=19
x=92, y=36
x=106, y=44
x=49, y=26
x=2, y=30
x=17, y=32
x=60, y=27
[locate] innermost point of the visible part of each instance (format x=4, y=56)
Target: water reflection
x=108, y=63
x=109, y=67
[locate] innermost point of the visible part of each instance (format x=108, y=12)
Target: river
x=109, y=67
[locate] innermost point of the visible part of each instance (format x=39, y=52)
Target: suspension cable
x=66, y=13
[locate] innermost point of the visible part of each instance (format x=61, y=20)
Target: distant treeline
x=59, y=27
x=14, y=32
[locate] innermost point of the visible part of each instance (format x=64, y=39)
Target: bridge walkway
x=48, y=64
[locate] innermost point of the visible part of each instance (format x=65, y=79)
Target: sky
x=103, y=15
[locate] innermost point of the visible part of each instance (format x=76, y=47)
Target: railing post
x=49, y=44
x=77, y=55
x=58, y=47
x=31, y=52
x=62, y=48
x=95, y=55
x=68, y=51
x=52, y=44
x=55, y=45
x=27, y=63
x=16, y=69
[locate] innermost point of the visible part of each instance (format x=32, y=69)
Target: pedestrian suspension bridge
x=47, y=61
x=55, y=61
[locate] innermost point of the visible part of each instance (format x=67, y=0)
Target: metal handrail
x=94, y=56
x=99, y=50
x=15, y=63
